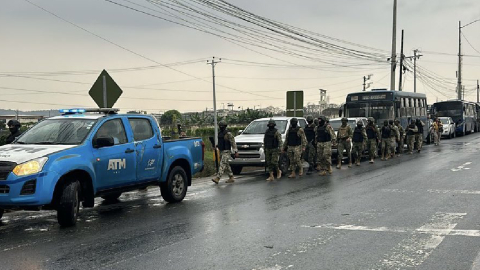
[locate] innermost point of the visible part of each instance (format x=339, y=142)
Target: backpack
x=386, y=131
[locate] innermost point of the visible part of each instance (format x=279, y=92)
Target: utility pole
x=459, y=73
x=402, y=56
x=213, y=62
x=415, y=57
x=365, y=79
x=394, y=47
x=478, y=92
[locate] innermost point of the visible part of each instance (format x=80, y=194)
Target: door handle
x=157, y=146
x=129, y=150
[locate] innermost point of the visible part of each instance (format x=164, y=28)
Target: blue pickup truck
x=80, y=155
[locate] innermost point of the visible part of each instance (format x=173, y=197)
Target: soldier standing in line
x=295, y=143
x=394, y=137
x=373, y=137
x=315, y=122
x=411, y=131
x=359, y=142
x=385, y=134
x=401, y=141
x=272, y=142
x=14, y=128
x=419, y=134
x=310, y=150
x=226, y=145
x=344, y=138
x=324, y=138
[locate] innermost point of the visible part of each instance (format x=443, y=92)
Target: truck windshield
x=259, y=127
x=58, y=131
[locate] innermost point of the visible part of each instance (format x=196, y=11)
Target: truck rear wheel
x=112, y=197
x=69, y=204
x=237, y=170
x=175, y=188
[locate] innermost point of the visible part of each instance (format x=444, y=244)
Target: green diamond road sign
x=105, y=91
x=295, y=103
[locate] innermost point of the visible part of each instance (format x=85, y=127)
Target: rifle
x=212, y=141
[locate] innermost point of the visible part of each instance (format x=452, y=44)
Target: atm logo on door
x=117, y=164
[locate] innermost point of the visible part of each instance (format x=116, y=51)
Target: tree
x=169, y=117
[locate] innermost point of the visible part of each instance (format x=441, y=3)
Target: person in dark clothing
x=14, y=128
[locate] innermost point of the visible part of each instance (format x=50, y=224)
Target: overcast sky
x=35, y=41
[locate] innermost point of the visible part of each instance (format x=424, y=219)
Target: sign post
x=105, y=91
x=294, y=104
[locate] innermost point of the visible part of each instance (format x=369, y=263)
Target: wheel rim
x=178, y=185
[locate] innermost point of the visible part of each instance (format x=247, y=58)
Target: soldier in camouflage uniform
x=359, y=142
x=226, y=145
x=411, y=131
x=272, y=142
x=344, y=139
x=385, y=133
x=310, y=151
x=401, y=141
x=324, y=138
x=419, y=135
x=295, y=143
x=394, y=137
x=373, y=137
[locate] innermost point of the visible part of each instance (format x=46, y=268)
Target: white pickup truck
x=250, y=143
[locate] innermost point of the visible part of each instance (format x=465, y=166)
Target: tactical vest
x=357, y=135
x=222, y=143
x=343, y=132
x=270, y=141
x=323, y=135
x=371, y=133
x=420, y=128
x=293, y=138
x=386, y=132
x=410, y=131
x=310, y=133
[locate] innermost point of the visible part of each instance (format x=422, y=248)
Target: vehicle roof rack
x=89, y=110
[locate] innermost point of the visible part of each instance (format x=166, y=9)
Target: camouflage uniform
x=226, y=145
x=386, y=141
x=324, y=137
x=295, y=143
x=272, y=143
x=394, y=137
x=359, y=142
x=373, y=137
x=310, y=150
x=401, y=141
x=344, y=138
x=411, y=131
x=419, y=135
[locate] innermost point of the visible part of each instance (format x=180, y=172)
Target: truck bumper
x=36, y=190
x=249, y=158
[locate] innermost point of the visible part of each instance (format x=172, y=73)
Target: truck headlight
x=30, y=167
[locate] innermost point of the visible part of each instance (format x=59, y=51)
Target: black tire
x=175, y=188
x=112, y=197
x=237, y=170
x=69, y=204
x=1, y=213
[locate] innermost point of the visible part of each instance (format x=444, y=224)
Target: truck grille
x=248, y=155
x=248, y=146
x=4, y=189
x=6, y=168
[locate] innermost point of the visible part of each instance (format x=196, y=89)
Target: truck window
x=115, y=129
x=142, y=129
x=58, y=131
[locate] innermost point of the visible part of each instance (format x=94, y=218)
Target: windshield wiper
x=45, y=143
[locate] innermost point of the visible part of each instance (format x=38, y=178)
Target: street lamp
x=459, y=76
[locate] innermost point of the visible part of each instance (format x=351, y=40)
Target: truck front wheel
x=69, y=204
x=236, y=170
x=175, y=188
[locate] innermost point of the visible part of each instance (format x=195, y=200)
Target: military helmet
x=344, y=119
x=385, y=122
x=294, y=120
x=322, y=118
x=359, y=123
x=390, y=122
x=397, y=121
x=315, y=121
x=222, y=124
x=271, y=122
x=309, y=118
x=371, y=119
x=13, y=123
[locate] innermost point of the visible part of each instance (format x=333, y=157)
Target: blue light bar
x=71, y=111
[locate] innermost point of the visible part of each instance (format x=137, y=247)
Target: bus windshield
x=378, y=110
x=449, y=109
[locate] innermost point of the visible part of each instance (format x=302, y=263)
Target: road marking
x=413, y=251
x=436, y=191
x=461, y=167
x=476, y=263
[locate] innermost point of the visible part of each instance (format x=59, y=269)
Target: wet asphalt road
x=418, y=211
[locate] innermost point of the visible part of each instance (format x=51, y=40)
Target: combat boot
x=349, y=164
x=371, y=161
x=292, y=175
x=322, y=173
x=358, y=163
x=339, y=165
x=318, y=168
x=230, y=180
x=271, y=177
x=279, y=174
x=216, y=180
x=310, y=170
x=300, y=171
x=330, y=169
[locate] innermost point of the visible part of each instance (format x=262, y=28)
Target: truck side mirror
x=240, y=131
x=340, y=112
x=103, y=142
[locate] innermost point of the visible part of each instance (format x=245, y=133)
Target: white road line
x=461, y=167
x=476, y=263
x=437, y=191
